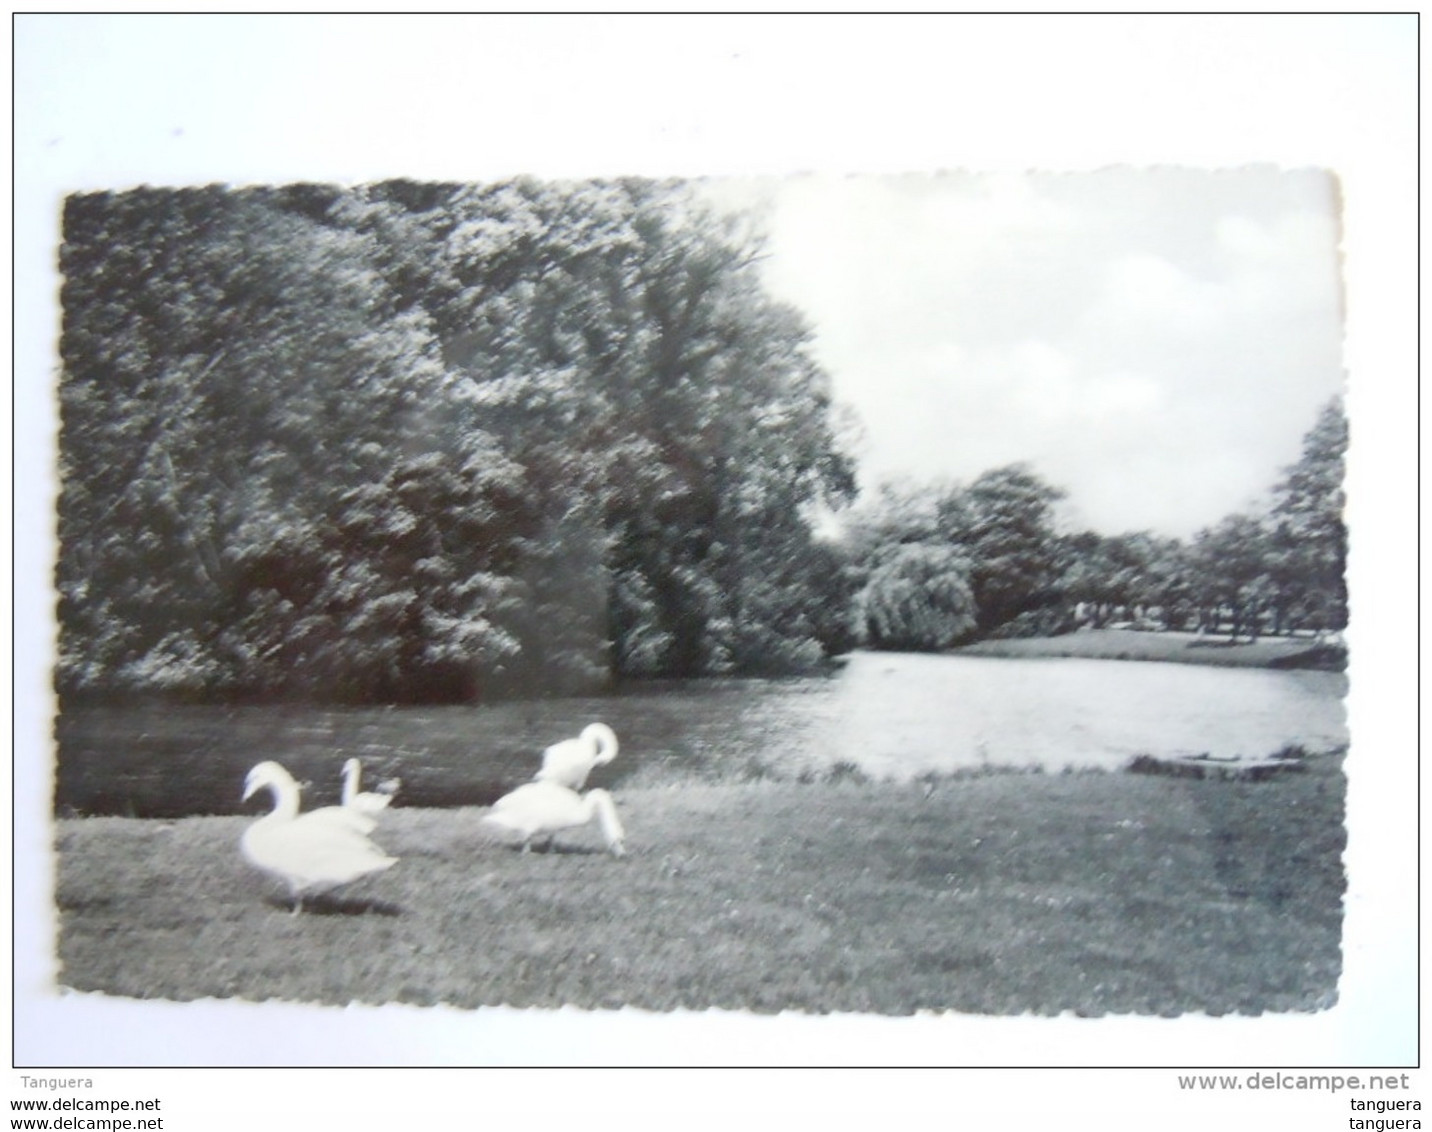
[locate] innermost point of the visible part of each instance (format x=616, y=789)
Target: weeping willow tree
x=918, y=597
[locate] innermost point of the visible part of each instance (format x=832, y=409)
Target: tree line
x=934, y=566
x=410, y=441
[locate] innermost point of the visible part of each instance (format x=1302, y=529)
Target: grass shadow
x=557, y=850
x=327, y=904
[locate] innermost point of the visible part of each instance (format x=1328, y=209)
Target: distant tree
x=1091, y=577
x=1004, y=524
x=1308, y=536
x=1229, y=562
x=1169, y=583
x=1270, y=571
x=1112, y=573
x=1255, y=572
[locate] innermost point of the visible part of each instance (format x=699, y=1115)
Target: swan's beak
x=618, y=849
x=249, y=787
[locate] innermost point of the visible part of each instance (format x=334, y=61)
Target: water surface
x=892, y=715
x=907, y=714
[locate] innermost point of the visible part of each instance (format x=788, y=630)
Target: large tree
x=230, y=369
x=424, y=439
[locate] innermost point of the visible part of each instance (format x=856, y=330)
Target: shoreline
x=1167, y=647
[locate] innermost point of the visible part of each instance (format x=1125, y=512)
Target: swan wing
x=538, y=807
x=345, y=817
x=311, y=854
x=369, y=803
x=512, y=822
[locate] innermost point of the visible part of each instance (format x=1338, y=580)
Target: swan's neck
x=285, y=800
x=350, y=782
x=600, y=802
x=604, y=741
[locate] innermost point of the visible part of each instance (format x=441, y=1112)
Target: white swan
x=544, y=808
x=365, y=802
x=310, y=852
x=569, y=762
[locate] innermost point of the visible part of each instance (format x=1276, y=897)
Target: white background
x=113, y=102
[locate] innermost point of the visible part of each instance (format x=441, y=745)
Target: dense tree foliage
x=422, y=440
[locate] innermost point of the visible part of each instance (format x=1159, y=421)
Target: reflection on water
x=893, y=715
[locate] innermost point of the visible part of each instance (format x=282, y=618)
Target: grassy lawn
x=1099, y=892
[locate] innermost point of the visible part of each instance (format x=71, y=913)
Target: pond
x=892, y=715
x=904, y=714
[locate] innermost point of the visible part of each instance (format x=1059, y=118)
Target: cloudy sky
x=1155, y=341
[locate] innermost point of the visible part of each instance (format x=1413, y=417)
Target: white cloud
x=1148, y=296
x=1154, y=341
